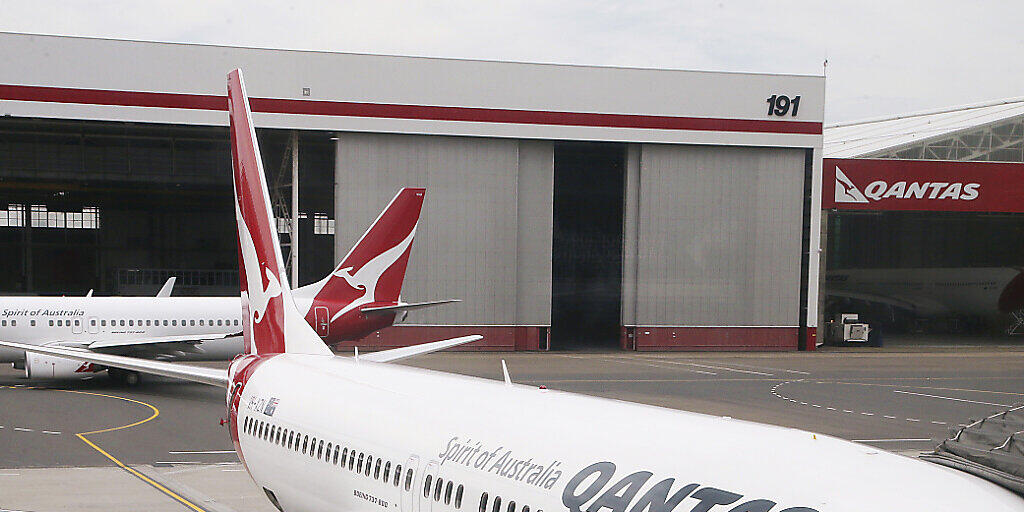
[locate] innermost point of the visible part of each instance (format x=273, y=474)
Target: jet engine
x=38, y=366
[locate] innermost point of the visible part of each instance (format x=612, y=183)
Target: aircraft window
x=305, y=443
x=259, y=430
x=148, y=323
x=140, y=323
x=376, y=471
x=174, y=323
x=398, y=474
x=497, y=504
x=4, y=323
x=336, y=454
x=51, y=323
x=34, y=323
x=511, y=506
x=359, y=464
x=387, y=471
x=131, y=322
x=14, y=323
x=165, y=323
x=236, y=322
x=369, y=463
x=344, y=457
x=122, y=323
x=220, y=323
x=483, y=502
x=426, y=486
x=103, y=323
x=191, y=322
x=266, y=432
x=320, y=450
x=352, y=460
x=458, y=497
x=448, y=493
x=77, y=322
x=210, y=322
x=291, y=439
x=277, y=440
x=183, y=323
x=248, y=423
x=328, y=457
x=408, y=479
x=526, y=508
x=437, y=490
x=92, y=323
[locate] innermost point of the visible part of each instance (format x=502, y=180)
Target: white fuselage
x=81, y=321
x=551, y=451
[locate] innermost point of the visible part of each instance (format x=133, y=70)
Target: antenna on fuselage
x=504, y=370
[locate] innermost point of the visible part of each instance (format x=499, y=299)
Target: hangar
x=567, y=206
x=925, y=232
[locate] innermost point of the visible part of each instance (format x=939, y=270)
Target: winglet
x=165, y=290
x=385, y=356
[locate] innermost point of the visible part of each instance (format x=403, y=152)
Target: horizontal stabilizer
x=211, y=376
x=406, y=306
x=386, y=356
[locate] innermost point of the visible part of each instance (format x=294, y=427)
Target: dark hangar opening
x=586, y=270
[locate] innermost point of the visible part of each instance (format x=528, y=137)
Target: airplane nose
x=1012, y=297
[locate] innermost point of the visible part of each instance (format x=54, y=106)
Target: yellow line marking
x=140, y=476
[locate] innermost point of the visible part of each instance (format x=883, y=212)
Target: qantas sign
x=923, y=185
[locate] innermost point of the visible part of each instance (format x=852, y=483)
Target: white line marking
x=913, y=419
x=766, y=368
x=51, y=432
x=232, y=470
x=908, y=440
x=713, y=367
x=847, y=411
x=868, y=413
x=10, y=474
x=831, y=408
x=19, y=429
x=949, y=398
x=816, y=405
x=653, y=365
x=179, y=452
x=939, y=422
x=890, y=417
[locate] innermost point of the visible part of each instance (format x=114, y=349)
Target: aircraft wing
x=211, y=376
x=405, y=306
x=156, y=340
x=386, y=356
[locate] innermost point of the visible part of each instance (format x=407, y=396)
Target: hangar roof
x=991, y=131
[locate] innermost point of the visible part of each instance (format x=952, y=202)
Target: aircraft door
x=94, y=325
x=408, y=491
x=76, y=326
x=425, y=494
x=323, y=320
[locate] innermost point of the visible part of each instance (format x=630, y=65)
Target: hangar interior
x=940, y=253
x=565, y=207
x=120, y=207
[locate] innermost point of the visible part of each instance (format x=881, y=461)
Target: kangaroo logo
x=365, y=279
x=258, y=296
x=846, y=191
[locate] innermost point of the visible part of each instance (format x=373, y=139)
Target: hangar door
x=713, y=244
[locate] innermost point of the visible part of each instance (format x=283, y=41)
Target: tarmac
x=92, y=445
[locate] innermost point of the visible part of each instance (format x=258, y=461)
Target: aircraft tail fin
x=270, y=321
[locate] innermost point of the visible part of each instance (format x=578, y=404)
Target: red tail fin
x=378, y=260
x=268, y=311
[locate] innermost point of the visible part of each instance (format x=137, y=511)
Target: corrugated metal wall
x=485, y=231
x=717, y=236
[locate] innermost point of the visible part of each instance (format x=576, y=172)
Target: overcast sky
x=884, y=57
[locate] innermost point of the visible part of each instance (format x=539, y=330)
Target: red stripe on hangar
x=396, y=111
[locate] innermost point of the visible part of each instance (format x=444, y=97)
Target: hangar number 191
x=780, y=104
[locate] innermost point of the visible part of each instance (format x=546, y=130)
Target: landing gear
x=124, y=377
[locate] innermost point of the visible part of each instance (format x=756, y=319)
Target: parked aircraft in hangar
x=360, y=296
x=321, y=432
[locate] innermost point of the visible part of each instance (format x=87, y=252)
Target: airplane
x=318, y=431
x=361, y=296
